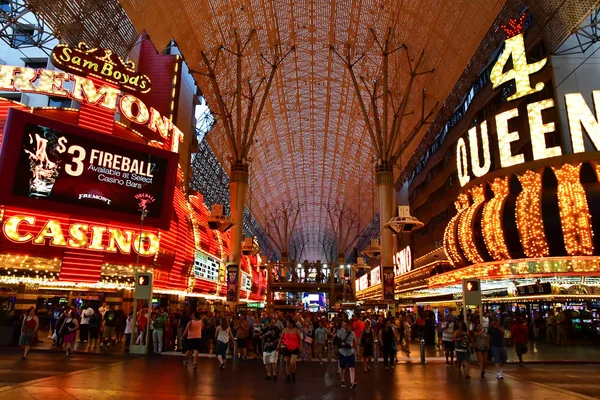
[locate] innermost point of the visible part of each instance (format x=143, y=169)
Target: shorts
x=94, y=330
x=320, y=348
x=346, y=361
x=221, y=349
x=288, y=353
x=462, y=356
x=499, y=354
x=484, y=350
x=193, y=344
x=521, y=348
x=26, y=340
x=109, y=332
x=448, y=344
x=270, y=357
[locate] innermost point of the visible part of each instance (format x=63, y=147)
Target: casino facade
x=96, y=184
x=509, y=190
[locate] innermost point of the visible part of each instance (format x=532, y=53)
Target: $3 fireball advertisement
x=64, y=167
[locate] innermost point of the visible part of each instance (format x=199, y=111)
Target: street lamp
x=404, y=222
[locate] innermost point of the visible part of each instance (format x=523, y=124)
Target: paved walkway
x=538, y=353
x=49, y=376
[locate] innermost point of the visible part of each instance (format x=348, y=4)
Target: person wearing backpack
x=463, y=340
x=346, y=341
x=94, y=330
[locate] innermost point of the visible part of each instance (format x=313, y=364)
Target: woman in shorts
x=29, y=328
x=366, y=342
x=223, y=337
x=463, y=340
x=289, y=346
x=482, y=346
x=193, y=330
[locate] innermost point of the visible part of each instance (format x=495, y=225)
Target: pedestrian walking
x=223, y=337
x=69, y=330
x=482, y=346
x=447, y=334
x=29, y=328
x=193, y=333
x=289, y=346
x=270, y=339
x=389, y=342
x=462, y=342
x=519, y=333
x=366, y=342
x=496, y=332
x=347, y=353
x=84, y=324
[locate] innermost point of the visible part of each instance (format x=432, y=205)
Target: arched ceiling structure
x=311, y=145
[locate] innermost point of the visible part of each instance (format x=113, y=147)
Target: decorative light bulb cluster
x=451, y=247
x=528, y=214
x=491, y=223
x=574, y=211
x=466, y=234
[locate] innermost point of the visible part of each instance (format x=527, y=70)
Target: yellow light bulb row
x=451, y=247
x=574, y=211
x=491, y=222
x=528, y=214
x=465, y=226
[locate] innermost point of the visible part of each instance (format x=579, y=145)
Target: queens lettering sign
x=477, y=158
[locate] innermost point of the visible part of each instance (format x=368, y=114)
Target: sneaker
x=353, y=386
x=499, y=376
x=483, y=374
x=344, y=385
x=195, y=366
x=268, y=378
x=185, y=362
x=223, y=365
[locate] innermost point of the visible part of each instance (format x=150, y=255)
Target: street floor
x=50, y=375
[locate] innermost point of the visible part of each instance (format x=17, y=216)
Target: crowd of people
x=296, y=337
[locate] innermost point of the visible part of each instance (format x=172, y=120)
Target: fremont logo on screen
x=95, y=195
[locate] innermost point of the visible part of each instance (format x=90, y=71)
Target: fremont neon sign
x=52, y=83
x=22, y=229
x=579, y=115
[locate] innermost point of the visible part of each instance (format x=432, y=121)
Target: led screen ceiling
x=311, y=146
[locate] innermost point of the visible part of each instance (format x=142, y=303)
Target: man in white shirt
x=84, y=325
x=447, y=333
x=485, y=322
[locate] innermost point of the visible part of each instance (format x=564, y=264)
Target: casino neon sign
x=476, y=158
x=51, y=83
x=23, y=229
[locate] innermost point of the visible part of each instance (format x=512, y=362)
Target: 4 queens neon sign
x=52, y=83
x=476, y=158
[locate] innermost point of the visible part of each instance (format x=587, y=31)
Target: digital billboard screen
x=51, y=165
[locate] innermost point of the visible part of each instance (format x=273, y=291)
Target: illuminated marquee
x=49, y=82
x=376, y=276
x=101, y=63
x=22, y=229
x=402, y=261
x=578, y=113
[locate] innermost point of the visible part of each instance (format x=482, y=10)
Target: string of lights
x=491, y=224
